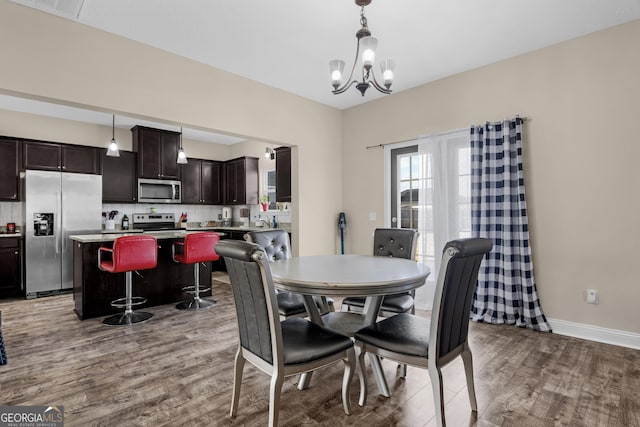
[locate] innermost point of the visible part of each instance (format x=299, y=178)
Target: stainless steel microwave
x=159, y=191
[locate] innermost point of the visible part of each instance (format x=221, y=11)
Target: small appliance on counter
x=227, y=215
x=11, y=228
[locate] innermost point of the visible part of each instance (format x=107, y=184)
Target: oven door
x=159, y=191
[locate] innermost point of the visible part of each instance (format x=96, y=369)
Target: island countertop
x=165, y=234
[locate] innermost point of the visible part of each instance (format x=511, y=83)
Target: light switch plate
x=372, y=216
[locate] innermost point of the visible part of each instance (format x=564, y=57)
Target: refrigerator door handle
x=57, y=224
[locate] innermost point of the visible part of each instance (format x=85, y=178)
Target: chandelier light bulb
x=336, y=67
x=369, y=45
x=387, y=67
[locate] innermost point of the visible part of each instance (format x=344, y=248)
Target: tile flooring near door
x=176, y=370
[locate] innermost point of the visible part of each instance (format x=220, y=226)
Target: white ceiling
x=289, y=43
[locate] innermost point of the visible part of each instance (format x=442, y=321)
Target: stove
x=154, y=221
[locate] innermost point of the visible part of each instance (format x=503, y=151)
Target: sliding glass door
x=430, y=190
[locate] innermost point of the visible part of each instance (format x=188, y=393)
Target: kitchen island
x=94, y=289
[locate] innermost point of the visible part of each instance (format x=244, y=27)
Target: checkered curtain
x=506, y=291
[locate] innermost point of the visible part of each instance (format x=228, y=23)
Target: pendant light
x=365, y=54
x=113, y=151
x=182, y=157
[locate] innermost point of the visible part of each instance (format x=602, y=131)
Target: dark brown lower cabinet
x=10, y=266
x=94, y=289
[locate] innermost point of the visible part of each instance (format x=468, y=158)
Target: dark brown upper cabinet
x=241, y=181
x=119, y=178
x=202, y=182
x=52, y=156
x=9, y=168
x=157, y=152
x=283, y=174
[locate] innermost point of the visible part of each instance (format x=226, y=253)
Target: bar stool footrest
x=192, y=289
x=122, y=302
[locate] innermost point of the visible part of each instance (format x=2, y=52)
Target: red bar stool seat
x=196, y=248
x=128, y=254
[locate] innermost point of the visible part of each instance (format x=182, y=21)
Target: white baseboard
x=595, y=333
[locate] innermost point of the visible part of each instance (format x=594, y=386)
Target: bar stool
x=129, y=253
x=196, y=248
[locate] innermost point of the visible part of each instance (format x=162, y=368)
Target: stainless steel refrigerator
x=57, y=205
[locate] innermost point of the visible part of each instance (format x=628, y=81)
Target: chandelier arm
x=377, y=85
x=344, y=88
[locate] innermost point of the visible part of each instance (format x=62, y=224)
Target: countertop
x=10, y=235
x=109, y=236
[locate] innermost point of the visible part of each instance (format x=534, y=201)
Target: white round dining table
x=348, y=275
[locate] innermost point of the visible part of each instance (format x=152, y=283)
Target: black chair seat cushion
x=396, y=303
x=292, y=304
x=304, y=341
x=403, y=333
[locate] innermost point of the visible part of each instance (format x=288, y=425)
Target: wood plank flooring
x=176, y=370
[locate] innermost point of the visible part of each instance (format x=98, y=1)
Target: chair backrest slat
x=254, y=297
x=455, y=288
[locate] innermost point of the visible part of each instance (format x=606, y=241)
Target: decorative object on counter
x=264, y=202
x=183, y=220
x=113, y=151
x=366, y=48
x=125, y=222
x=182, y=157
x=110, y=223
x=11, y=227
x=282, y=206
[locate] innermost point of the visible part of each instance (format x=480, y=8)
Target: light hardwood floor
x=176, y=370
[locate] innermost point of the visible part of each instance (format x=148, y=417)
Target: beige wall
x=581, y=150
x=580, y=145
x=50, y=58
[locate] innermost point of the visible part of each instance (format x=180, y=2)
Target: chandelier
x=366, y=51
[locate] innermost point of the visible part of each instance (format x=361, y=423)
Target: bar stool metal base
x=195, y=304
x=129, y=318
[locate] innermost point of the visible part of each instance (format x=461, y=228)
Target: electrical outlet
x=592, y=296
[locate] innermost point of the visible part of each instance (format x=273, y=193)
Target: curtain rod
x=524, y=119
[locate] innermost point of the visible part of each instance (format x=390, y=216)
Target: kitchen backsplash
x=198, y=213
x=13, y=212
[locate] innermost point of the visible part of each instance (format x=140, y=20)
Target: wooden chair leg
x=237, y=381
x=350, y=365
x=274, y=398
x=438, y=395
x=361, y=373
x=467, y=360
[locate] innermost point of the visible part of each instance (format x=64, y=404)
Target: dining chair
x=416, y=341
x=278, y=348
x=390, y=242
x=275, y=243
